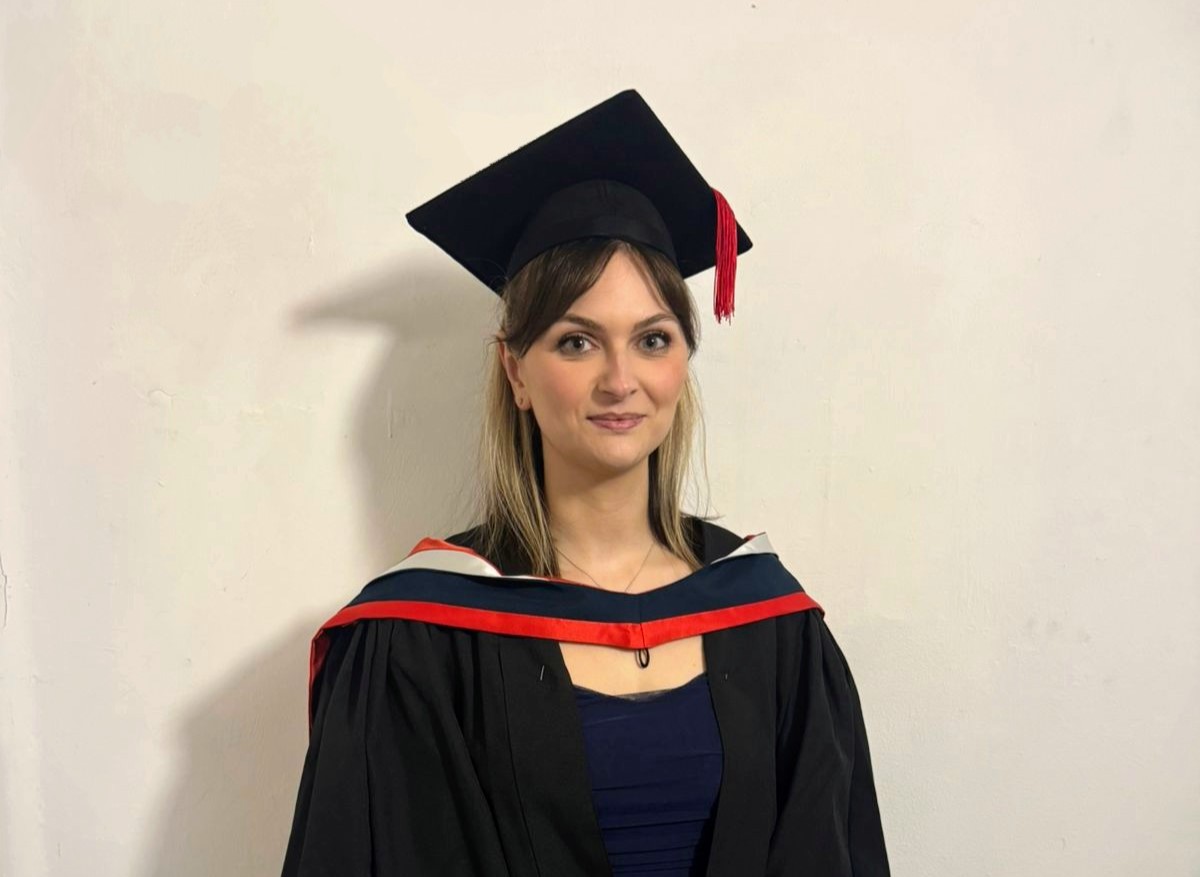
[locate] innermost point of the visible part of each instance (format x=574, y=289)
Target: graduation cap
x=613, y=171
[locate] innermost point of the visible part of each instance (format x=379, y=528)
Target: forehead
x=623, y=294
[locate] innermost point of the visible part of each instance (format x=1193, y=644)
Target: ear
x=512, y=368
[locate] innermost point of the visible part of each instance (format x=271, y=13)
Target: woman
x=589, y=681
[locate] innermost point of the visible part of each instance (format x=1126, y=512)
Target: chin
x=622, y=462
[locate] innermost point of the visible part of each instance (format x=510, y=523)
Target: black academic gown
x=436, y=750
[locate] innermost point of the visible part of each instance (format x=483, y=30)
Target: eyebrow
x=596, y=327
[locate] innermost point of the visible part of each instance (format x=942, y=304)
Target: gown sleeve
x=388, y=785
x=828, y=818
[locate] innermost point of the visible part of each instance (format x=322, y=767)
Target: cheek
x=564, y=387
x=669, y=381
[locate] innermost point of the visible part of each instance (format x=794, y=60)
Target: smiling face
x=617, y=349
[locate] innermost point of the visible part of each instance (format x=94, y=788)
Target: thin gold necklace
x=642, y=655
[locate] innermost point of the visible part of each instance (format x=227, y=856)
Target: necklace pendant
x=643, y=658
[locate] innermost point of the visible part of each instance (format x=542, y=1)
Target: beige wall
x=961, y=392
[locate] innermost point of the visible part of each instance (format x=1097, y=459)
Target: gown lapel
x=549, y=759
x=741, y=674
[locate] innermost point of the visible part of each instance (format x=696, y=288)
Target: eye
x=562, y=343
x=665, y=336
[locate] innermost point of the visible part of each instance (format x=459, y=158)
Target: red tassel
x=727, y=245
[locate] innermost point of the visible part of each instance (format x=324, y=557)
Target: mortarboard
x=612, y=171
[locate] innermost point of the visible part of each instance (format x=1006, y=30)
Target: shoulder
x=711, y=540
x=504, y=557
x=469, y=538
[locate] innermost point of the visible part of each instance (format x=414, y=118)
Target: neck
x=599, y=520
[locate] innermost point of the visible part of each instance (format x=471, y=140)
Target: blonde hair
x=510, y=502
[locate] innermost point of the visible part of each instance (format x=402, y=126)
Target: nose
x=617, y=379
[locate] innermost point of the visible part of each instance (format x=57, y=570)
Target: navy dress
x=654, y=760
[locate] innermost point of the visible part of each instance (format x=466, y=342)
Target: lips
x=617, y=424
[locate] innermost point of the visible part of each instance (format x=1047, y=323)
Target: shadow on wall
x=229, y=809
x=243, y=748
x=417, y=418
